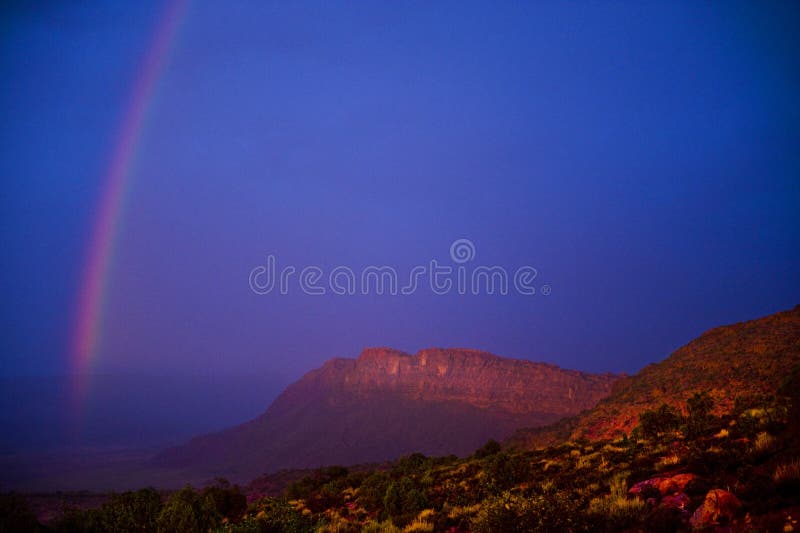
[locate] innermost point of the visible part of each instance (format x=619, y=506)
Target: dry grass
x=616, y=506
x=337, y=524
x=668, y=460
x=787, y=472
x=422, y=523
x=549, y=463
x=583, y=462
x=763, y=443
x=383, y=527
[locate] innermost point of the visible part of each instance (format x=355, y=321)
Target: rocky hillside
x=743, y=360
x=387, y=403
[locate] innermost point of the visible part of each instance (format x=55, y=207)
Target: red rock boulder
x=719, y=508
x=665, y=485
x=675, y=484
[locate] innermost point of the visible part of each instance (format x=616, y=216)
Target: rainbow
x=99, y=254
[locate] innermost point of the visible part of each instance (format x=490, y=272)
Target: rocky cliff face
x=470, y=376
x=387, y=403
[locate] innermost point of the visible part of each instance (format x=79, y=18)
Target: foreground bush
x=546, y=510
x=615, y=511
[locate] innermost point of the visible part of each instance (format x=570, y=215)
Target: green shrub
x=490, y=448
x=403, y=500
x=654, y=423
x=546, y=510
x=411, y=465
x=504, y=470
x=188, y=512
x=126, y=512
x=372, y=490
x=277, y=515
x=699, y=408
x=74, y=520
x=227, y=501
x=132, y=511
x=306, y=487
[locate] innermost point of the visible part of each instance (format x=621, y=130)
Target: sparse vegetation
x=655, y=483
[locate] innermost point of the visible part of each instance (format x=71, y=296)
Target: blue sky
x=642, y=156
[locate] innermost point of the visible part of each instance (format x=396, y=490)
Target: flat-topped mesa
x=450, y=355
x=380, y=353
x=387, y=403
x=388, y=365
x=479, y=378
x=385, y=352
x=445, y=361
x=392, y=360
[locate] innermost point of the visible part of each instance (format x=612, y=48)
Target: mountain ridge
x=386, y=402
x=744, y=359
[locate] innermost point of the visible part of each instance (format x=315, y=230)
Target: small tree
x=276, y=515
x=132, y=511
x=548, y=509
x=392, y=501
x=226, y=500
x=403, y=500
x=504, y=470
x=490, y=448
x=659, y=421
x=414, y=500
x=373, y=489
x=186, y=511
x=699, y=407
